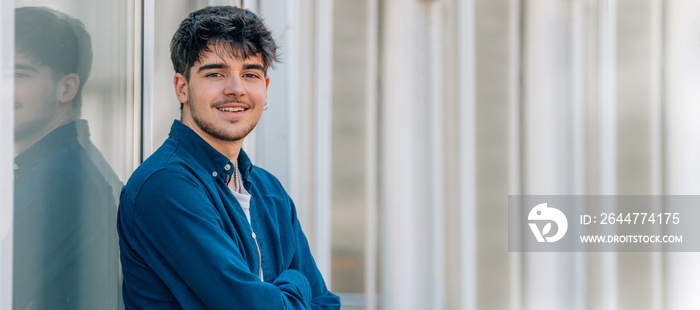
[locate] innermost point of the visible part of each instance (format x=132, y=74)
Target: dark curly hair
x=240, y=32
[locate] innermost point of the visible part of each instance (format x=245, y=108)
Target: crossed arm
x=181, y=239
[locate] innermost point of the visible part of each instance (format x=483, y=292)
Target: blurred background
x=400, y=128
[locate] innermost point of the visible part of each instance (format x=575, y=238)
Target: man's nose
x=234, y=86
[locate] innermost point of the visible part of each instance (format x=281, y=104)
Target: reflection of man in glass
x=65, y=247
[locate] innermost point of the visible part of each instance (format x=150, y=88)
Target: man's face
x=224, y=97
x=36, y=97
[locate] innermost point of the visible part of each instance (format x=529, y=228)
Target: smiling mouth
x=232, y=109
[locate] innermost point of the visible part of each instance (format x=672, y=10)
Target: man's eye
x=251, y=75
x=214, y=74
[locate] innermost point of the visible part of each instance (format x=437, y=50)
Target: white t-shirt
x=243, y=197
x=244, y=200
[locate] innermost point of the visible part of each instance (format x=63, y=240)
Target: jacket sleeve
x=181, y=237
x=304, y=262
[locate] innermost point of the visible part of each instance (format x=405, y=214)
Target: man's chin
x=227, y=136
x=231, y=135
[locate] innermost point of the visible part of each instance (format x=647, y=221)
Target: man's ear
x=67, y=87
x=180, y=83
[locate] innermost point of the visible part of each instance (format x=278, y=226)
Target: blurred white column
x=402, y=178
x=552, y=136
x=436, y=151
x=148, y=92
x=682, y=129
x=7, y=69
x=607, y=140
x=467, y=149
x=322, y=111
x=406, y=201
x=426, y=70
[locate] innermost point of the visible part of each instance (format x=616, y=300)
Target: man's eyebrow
x=26, y=67
x=212, y=66
x=253, y=67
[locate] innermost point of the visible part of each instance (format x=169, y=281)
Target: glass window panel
x=73, y=145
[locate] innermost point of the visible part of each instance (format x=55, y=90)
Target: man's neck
x=230, y=149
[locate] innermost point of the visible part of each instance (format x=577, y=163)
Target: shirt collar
x=56, y=139
x=217, y=164
x=245, y=166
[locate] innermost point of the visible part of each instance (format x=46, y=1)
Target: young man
x=200, y=227
x=65, y=203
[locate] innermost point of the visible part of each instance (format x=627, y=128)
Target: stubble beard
x=218, y=133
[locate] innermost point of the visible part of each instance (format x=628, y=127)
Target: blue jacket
x=186, y=243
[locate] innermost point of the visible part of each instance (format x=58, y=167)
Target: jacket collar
x=217, y=164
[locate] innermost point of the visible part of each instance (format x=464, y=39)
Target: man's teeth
x=231, y=109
